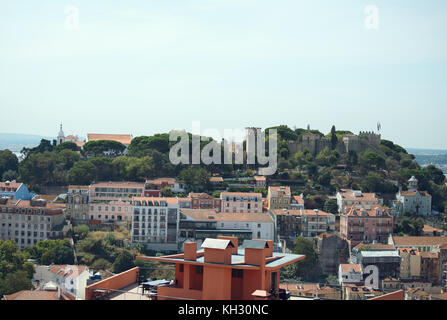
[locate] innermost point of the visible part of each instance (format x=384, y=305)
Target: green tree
x=123, y=262
x=10, y=175
x=82, y=173
x=81, y=231
x=334, y=139
x=307, y=269
x=8, y=162
x=331, y=206
x=100, y=147
x=15, y=282
x=67, y=146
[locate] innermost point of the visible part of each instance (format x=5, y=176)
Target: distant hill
x=16, y=141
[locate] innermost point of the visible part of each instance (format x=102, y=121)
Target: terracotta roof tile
x=121, y=138
x=212, y=215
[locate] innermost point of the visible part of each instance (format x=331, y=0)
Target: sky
x=144, y=66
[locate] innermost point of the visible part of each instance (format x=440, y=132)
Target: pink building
x=241, y=202
x=111, y=211
x=365, y=223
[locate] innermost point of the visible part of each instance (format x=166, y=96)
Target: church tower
x=413, y=184
x=60, y=136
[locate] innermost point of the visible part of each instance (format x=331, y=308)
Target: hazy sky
x=144, y=67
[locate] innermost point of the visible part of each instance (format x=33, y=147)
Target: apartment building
x=77, y=203
x=155, y=223
x=366, y=223
x=106, y=191
x=112, y=211
x=28, y=222
x=346, y=198
x=278, y=198
x=204, y=201
x=307, y=223
x=241, y=202
x=223, y=271
x=199, y=224
x=410, y=265
x=260, y=181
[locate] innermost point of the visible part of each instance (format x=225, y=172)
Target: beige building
x=278, y=198
x=77, y=202
x=241, y=202
x=28, y=222
x=410, y=264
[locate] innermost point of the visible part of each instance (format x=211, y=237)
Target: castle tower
x=60, y=136
x=413, y=184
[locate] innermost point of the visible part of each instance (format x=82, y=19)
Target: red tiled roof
x=33, y=295
x=118, y=184
x=216, y=179
x=161, y=181
x=396, y=295
x=168, y=200
x=241, y=194
x=351, y=266
x=416, y=241
x=371, y=212
x=259, y=178
x=348, y=194
x=301, y=212
x=212, y=215
x=298, y=199
x=428, y=228
x=67, y=271
x=121, y=138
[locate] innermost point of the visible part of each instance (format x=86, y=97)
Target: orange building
x=222, y=271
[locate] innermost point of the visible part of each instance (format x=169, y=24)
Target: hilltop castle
x=351, y=142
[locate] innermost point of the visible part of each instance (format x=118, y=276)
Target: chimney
x=190, y=251
x=233, y=240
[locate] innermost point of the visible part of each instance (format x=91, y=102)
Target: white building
x=71, y=279
x=197, y=224
x=155, y=222
x=350, y=273
x=346, y=198
x=413, y=200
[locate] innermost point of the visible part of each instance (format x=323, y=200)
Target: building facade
x=278, y=198
x=28, y=222
x=77, y=203
x=155, y=223
x=366, y=224
x=346, y=198
x=241, y=202
x=204, y=201
x=413, y=200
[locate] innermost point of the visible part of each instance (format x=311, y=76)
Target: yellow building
x=410, y=265
x=278, y=198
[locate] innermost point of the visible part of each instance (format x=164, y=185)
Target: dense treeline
x=382, y=170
